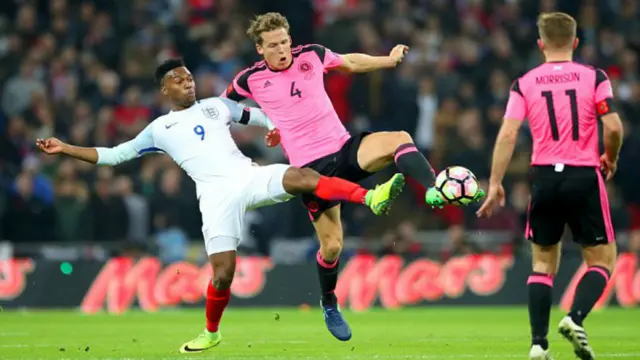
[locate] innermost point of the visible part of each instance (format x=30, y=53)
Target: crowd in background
x=82, y=71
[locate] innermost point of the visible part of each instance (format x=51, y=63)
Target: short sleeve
x=516, y=105
x=245, y=115
x=604, y=90
x=238, y=90
x=237, y=112
x=329, y=59
x=332, y=60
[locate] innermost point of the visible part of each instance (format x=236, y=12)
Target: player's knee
x=397, y=138
x=546, y=259
x=308, y=178
x=222, y=278
x=604, y=256
x=300, y=180
x=331, y=247
x=602, y=264
x=403, y=137
x=545, y=267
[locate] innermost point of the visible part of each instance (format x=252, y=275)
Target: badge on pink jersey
x=306, y=68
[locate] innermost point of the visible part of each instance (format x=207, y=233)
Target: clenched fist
x=398, y=52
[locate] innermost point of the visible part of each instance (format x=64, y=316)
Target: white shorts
x=223, y=209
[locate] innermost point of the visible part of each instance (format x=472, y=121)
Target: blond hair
x=265, y=23
x=557, y=29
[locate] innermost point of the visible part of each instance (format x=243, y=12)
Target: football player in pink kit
x=289, y=87
x=562, y=101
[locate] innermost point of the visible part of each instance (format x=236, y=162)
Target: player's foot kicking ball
x=538, y=353
x=576, y=335
x=203, y=342
x=455, y=185
x=380, y=198
x=337, y=325
x=434, y=198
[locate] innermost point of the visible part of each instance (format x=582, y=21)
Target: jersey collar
x=281, y=70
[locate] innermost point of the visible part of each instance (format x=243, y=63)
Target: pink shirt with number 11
x=561, y=101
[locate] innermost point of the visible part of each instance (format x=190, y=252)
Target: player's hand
x=608, y=167
x=398, y=52
x=272, y=139
x=50, y=146
x=494, y=197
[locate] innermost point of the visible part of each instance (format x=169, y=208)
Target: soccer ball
x=458, y=185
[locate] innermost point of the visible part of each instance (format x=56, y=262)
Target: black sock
x=328, y=276
x=412, y=163
x=589, y=290
x=540, y=291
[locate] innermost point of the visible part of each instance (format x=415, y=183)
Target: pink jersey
x=562, y=101
x=296, y=102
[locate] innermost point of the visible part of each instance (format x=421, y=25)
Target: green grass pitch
x=418, y=333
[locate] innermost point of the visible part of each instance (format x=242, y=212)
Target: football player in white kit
x=196, y=135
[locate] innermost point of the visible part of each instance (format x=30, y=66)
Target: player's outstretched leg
x=379, y=200
x=378, y=150
x=600, y=260
x=218, y=295
x=411, y=162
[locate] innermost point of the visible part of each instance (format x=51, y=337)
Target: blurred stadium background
x=82, y=70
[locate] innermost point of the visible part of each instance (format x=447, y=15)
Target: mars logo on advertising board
x=364, y=282
x=13, y=277
x=365, y=279
x=121, y=281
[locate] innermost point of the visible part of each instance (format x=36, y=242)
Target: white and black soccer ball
x=458, y=185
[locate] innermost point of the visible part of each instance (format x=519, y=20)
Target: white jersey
x=198, y=139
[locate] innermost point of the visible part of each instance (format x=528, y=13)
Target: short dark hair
x=165, y=67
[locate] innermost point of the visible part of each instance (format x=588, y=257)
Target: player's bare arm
x=612, y=125
x=53, y=146
x=503, y=150
x=502, y=153
x=362, y=63
x=613, y=135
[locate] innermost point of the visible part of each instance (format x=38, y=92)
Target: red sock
x=333, y=188
x=217, y=301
